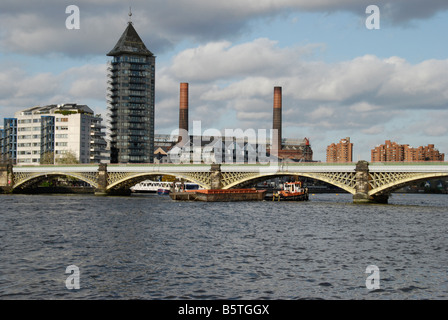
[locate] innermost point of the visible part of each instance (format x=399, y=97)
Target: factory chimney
x=183, y=113
x=277, y=123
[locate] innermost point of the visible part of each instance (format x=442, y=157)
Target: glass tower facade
x=8, y=139
x=47, y=131
x=131, y=81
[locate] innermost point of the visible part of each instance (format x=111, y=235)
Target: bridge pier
x=101, y=190
x=6, y=178
x=215, y=177
x=363, y=187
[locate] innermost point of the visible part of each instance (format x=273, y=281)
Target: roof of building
x=54, y=108
x=130, y=43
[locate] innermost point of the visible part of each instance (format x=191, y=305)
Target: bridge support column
x=362, y=186
x=215, y=177
x=102, y=180
x=6, y=178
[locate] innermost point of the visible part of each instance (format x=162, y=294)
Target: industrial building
x=186, y=148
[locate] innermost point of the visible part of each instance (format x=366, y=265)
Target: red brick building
x=394, y=152
x=341, y=152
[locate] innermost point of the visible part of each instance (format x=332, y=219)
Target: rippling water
x=149, y=247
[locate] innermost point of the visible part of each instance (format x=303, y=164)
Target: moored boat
x=149, y=186
x=292, y=191
x=163, y=191
x=161, y=187
x=219, y=195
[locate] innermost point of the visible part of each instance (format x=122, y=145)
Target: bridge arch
x=132, y=179
x=386, y=185
x=320, y=177
x=36, y=177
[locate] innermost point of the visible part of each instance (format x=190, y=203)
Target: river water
x=150, y=247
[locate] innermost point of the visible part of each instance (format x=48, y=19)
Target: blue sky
x=339, y=79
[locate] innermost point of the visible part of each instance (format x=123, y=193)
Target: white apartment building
x=56, y=130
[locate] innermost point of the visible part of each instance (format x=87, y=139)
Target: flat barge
x=220, y=195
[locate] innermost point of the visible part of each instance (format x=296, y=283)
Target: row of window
x=136, y=99
x=36, y=136
x=127, y=138
x=37, y=120
x=28, y=129
x=38, y=145
x=134, y=66
x=132, y=73
x=134, y=158
x=39, y=128
x=130, y=59
x=132, y=105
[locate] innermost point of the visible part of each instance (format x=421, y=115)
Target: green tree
x=67, y=158
x=47, y=158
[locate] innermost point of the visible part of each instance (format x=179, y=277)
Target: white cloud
x=39, y=27
x=222, y=60
x=376, y=129
x=322, y=112
x=20, y=90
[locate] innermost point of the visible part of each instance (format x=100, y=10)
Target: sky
x=339, y=78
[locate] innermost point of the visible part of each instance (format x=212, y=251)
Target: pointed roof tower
x=130, y=43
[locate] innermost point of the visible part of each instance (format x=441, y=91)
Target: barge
x=220, y=195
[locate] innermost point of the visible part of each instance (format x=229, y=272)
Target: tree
x=67, y=158
x=47, y=158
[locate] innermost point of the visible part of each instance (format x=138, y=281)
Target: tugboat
x=292, y=191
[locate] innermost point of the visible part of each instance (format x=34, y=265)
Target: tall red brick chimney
x=183, y=112
x=277, y=123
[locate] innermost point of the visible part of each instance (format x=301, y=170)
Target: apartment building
x=48, y=134
x=8, y=141
x=394, y=152
x=340, y=152
x=130, y=97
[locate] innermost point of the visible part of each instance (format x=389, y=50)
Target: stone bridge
x=366, y=182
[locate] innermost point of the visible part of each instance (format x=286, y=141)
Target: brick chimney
x=277, y=120
x=183, y=112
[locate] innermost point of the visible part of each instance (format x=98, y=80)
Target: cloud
x=374, y=130
x=364, y=84
x=435, y=124
x=31, y=27
x=20, y=90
